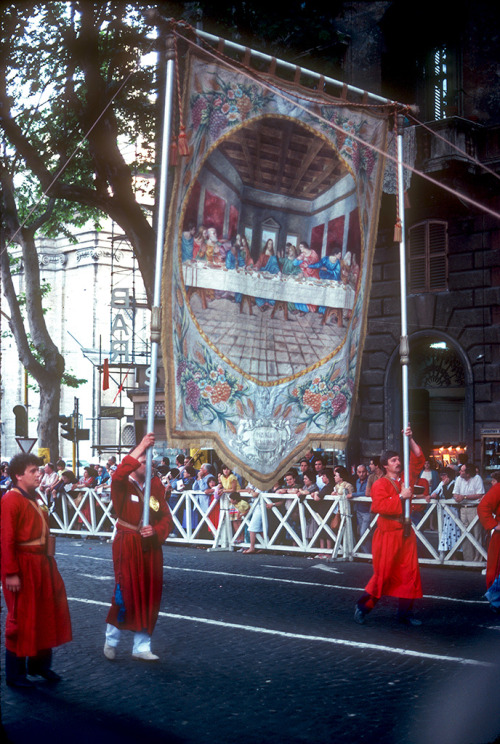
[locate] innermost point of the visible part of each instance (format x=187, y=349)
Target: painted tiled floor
x=267, y=348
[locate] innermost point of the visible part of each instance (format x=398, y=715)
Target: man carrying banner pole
x=394, y=546
x=395, y=560
x=137, y=554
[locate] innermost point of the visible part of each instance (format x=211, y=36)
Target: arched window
x=428, y=257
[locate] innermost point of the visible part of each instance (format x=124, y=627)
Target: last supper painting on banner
x=268, y=266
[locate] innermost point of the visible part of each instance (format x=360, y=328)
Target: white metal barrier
x=294, y=528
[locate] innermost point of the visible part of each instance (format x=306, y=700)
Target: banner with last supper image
x=268, y=266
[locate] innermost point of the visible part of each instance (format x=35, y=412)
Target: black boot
x=40, y=664
x=15, y=671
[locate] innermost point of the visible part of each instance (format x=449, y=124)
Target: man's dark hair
x=180, y=458
x=292, y=473
x=376, y=460
x=470, y=469
x=386, y=456
x=318, y=458
x=19, y=463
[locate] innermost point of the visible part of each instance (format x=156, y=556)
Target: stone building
x=444, y=58
x=96, y=310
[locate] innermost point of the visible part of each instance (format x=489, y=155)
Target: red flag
x=105, y=375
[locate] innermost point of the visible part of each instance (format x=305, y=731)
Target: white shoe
x=146, y=656
x=109, y=652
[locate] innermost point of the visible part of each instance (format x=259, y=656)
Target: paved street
x=263, y=648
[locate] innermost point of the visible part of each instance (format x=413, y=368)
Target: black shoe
x=20, y=682
x=409, y=621
x=50, y=675
x=359, y=616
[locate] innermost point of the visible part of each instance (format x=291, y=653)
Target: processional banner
x=268, y=267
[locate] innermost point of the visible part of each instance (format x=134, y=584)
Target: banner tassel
x=183, y=142
x=398, y=232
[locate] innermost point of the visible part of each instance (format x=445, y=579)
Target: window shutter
x=417, y=258
x=428, y=260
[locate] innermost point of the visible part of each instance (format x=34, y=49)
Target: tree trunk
x=38, y=353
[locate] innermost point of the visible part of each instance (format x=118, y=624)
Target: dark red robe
x=138, y=562
x=395, y=561
x=38, y=615
x=488, y=511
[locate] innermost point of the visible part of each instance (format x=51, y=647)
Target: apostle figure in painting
x=200, y=243
x=245, y=252
x=187, y=242
x=306, y=257
x=234, y=257
x=329, y=266
x=214, y=252
x=288, y=266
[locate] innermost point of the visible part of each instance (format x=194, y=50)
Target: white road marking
x=328, y=569
x=98, y=578
x=230, y=574
x=303, y=637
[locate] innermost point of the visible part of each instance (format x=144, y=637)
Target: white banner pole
x=404, y=350
x=160, y=240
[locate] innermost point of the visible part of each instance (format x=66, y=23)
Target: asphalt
x=263, y=648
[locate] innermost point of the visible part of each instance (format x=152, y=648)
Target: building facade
x=446, y=61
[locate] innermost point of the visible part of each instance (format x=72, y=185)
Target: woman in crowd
x=343, y=485
x=322, y=503
x=451, y=531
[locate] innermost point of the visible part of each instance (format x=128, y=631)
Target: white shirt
x=469, y=487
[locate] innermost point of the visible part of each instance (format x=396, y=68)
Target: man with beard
x=395, y=562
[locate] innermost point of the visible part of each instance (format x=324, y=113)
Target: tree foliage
x=73, y=95
x=77, y=112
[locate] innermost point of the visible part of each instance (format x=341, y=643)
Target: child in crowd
x=239, y=507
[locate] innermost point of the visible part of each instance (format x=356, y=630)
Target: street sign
x=26, y=444
x=112, y=411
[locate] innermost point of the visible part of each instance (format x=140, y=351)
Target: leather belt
x=392, y=517
x=128, y=526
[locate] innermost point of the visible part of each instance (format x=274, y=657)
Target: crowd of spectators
x=315, y=479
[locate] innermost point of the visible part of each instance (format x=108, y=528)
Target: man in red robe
x=395, y=562
x=137, y=554
x=37, y=608
x=488, y=511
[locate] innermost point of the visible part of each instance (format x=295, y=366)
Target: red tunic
x=38, y=614
x=488, y=511
x=395, y=561
x=138, y=562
